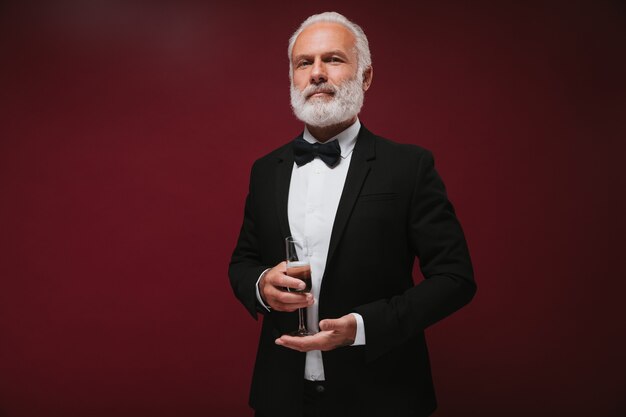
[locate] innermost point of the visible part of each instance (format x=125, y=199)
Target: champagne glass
x=298, y=266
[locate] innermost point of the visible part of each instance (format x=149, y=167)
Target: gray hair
x=364, y=59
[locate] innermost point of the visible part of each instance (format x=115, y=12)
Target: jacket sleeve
x=245, y=264
x=437, y=239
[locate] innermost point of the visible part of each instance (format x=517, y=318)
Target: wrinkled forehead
x=324, y=37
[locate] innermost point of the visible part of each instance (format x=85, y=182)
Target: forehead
x=323, y=37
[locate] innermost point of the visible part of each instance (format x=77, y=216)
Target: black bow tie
x=304, y=152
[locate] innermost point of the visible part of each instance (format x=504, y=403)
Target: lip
x=321, y=94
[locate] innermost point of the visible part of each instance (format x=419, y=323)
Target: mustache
x=320, y=88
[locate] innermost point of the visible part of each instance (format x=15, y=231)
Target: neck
x=323, y=133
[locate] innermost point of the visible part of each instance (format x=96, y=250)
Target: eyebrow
x=328, y=53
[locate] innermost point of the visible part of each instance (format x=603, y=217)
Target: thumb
x=329, y=324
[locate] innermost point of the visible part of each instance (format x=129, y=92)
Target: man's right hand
x=274, y=287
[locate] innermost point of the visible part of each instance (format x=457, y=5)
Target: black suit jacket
x=393, y=209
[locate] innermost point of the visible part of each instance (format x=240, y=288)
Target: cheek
x=340, y=75
x=300, y=80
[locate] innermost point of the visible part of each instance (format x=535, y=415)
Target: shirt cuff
x=258, y=293
x=359, y=339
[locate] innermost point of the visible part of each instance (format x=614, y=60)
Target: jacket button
x=319, y=389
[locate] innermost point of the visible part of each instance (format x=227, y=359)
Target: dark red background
x=127, y=130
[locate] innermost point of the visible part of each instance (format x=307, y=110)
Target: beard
x=345, y=103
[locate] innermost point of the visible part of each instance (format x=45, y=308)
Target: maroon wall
x=127, y=130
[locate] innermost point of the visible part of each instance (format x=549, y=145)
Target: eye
x=335, y=60
x=303, y=63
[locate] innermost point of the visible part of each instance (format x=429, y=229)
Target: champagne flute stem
x=301, y=324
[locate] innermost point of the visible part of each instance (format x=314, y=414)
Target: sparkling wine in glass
x=298, y=266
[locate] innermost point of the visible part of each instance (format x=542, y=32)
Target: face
x=326, y=86
x=323, y=52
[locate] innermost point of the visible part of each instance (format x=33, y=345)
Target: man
x=367, y=208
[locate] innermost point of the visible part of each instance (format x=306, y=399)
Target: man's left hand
x=333, y=333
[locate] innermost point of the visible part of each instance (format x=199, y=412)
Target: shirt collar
x=346, y=139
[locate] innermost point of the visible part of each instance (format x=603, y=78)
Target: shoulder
x=391, y=150
x=278, y=153
x=271, y=158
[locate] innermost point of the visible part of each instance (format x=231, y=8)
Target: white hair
x=364, y=59
x=346, y=103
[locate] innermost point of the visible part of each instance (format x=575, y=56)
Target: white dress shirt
x=314, y=194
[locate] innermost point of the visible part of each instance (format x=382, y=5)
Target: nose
x=318, y=72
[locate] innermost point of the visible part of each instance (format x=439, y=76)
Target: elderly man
x=367, y=208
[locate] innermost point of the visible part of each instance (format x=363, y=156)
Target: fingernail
x=301, y=286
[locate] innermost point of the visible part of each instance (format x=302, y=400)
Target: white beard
x=345, y=103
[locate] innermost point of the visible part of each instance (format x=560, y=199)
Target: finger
x=330, y=324
x=278, y=293
x=280, y=280
x=319, y=341
x=287, y=297
x=293, y=298
x=283, y=301
x=287, y=307
x=291, y=283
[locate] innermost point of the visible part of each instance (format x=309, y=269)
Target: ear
x=368, y=74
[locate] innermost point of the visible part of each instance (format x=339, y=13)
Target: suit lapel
x=364, y=151
x=284, y=168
